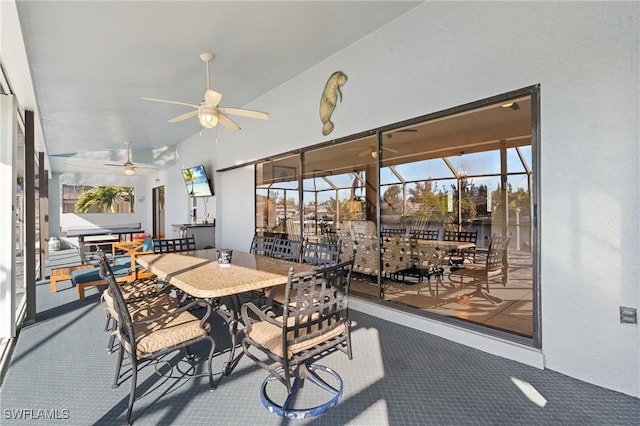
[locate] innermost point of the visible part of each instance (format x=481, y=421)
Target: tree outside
x=105, y=199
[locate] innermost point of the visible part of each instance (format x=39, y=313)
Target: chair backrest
x=497, y=255
x=317, y=308
x=262, y=245
x=287, y=249
x=125, y=328
x=173, y=245
x=426, y=234
x=465, y=236
x=321, y=253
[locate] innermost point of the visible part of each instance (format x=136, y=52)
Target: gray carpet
x=61, y=371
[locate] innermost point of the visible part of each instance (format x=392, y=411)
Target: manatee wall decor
x=330, y=96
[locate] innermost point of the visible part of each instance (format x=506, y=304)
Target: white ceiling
x=91, y=62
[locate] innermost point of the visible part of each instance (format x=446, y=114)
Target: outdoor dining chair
x=479, y=274
x=314, y=322
x=148, y=332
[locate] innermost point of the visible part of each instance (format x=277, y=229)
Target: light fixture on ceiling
x=374, y=154
x=129, y=170
x=208, y=117
x=513, y=105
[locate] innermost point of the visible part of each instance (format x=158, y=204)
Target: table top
x=198, y=273
x=101, y=231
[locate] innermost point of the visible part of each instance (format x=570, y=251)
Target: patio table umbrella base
x=305, y=373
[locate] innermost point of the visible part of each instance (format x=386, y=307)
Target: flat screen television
x=197, y=181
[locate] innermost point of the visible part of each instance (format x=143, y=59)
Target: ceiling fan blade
x=395, y=151
x=212, y=98
x=228, y=123
x=245, y=113
x=170, y=102
x=113, y=165
x=183, y=117
x=145, y=166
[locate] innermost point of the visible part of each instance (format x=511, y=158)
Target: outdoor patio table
x=198, y=274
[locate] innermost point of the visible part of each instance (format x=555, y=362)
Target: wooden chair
x=495, y=267
x=314, y=321
x=149, y=331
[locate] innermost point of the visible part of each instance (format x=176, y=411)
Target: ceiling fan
x=129, y=167
x=208, y=111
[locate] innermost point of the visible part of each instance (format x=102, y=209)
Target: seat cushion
x=169, y=332
x=270, y=337
x=79, y=277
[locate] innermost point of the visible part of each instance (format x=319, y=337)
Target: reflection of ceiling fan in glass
x=129, y=167
x=208, y=111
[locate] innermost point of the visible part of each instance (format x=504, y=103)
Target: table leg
x=232, y=319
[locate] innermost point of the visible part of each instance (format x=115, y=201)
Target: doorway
x=158, y=212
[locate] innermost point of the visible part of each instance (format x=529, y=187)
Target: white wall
x=444, y=54
x=199, y=149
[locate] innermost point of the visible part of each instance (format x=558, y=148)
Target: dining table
x=198, y=274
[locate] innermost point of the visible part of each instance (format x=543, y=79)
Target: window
x=97, y=199
x=467, y=172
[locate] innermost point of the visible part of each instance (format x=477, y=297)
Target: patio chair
x=459, y=257
x=287, y=249
x=322, y=253
x=173, y=245
x=262, y=245
x=479, y=274
x=154, y=330
x=314, y=322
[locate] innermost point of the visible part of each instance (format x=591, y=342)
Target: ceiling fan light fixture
x=129, y=170
x=208, y=118
x=374, y=153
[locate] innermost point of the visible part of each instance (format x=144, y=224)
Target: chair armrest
x=262, y=316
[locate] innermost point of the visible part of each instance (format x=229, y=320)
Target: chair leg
x=132, y=395
x=116, y=377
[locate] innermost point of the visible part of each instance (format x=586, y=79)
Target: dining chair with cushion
x=148, y=331
x=314, y=322
x=479, y=274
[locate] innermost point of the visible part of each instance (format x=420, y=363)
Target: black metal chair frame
x=314, y=322
x=172, y=245
x=426, y=234
x=126, y=332
x=289, y=250
x=262, y=245
x=321, y=253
